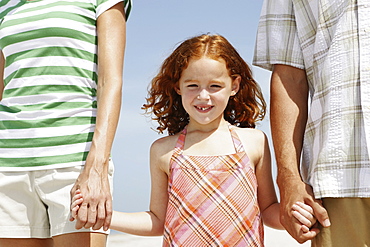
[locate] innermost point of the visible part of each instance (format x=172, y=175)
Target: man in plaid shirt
x=319, y=55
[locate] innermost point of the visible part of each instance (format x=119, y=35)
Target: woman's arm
x=96, y=210
x=2, y=65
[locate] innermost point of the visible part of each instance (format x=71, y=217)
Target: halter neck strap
x=235, y=138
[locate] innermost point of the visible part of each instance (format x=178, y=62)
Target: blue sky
x=154, y=29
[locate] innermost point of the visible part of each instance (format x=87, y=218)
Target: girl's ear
x=236, y=85
x=177, y=89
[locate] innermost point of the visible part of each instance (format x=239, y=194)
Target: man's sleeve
x=277, y=39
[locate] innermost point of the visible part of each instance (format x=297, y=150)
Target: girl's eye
x=216, y=86
x=192, y=85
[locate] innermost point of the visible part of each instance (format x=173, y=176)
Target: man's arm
x=289, y=109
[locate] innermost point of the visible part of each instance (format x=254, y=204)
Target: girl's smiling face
x=205, y=87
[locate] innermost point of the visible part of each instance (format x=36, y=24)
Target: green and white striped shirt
x=48, y=109
x=330, y=39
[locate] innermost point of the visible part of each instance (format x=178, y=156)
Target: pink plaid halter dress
x=212, y=200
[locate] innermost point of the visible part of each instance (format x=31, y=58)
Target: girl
x=211, y=177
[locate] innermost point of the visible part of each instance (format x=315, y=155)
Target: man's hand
x=297, y=191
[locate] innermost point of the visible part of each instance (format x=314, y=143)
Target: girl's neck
x=205, y=142
x=211, y=127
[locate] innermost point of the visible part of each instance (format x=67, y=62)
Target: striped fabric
x=212, y=200
x=330, y=39
x=48, y=107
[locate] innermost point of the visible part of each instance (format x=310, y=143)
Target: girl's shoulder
x=251, y=135
x=165, y=144
x=254, y=142
x=161, y=152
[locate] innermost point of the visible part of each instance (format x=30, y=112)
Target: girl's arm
x=2, y=65
x=96, y=210
x=269, y=206
x=266, y=195
x=150, y=223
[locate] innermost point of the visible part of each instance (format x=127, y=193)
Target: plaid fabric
x=212, y=200
x=330, y=39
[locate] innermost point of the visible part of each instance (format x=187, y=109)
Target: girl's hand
x=77, y=200
x=304, y=214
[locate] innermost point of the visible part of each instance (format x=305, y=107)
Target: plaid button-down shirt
x=330, y=39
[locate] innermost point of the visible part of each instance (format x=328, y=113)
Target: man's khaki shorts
x=350, y=223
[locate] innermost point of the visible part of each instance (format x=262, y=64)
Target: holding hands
x=95, y=210
x=290, y=210
x=76, y=202
x=302, y=212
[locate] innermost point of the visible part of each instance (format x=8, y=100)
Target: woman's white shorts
x=36, y=204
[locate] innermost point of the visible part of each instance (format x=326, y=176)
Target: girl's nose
x=203, y=94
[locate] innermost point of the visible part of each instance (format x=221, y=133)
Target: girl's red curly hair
x=243, y=110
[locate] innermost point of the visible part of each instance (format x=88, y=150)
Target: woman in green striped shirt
x=58, y=117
